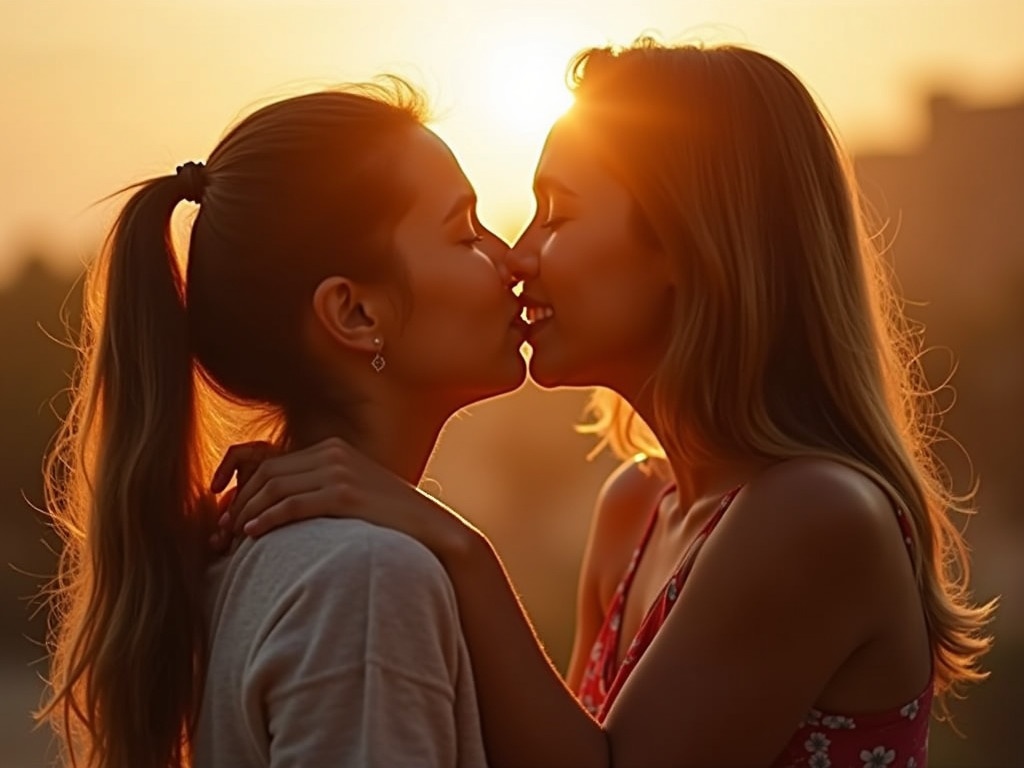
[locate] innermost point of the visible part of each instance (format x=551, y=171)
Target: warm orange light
x=521, y=77
x=527, y=91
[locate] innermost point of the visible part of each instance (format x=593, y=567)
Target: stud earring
x=378, y=361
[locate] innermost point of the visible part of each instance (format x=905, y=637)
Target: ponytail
x=123, y=490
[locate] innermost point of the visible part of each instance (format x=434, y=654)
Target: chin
x=549, y=376
x=552, y=371
x=505, y=379
x=516, y=376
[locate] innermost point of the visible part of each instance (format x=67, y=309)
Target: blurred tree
x=34, y=367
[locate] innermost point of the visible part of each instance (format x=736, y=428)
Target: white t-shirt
x=335, y=643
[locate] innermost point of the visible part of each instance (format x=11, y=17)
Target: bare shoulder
x=809, y=486
x=635, y=482
x=622, y=510
x=815, y=532
x=814, y=501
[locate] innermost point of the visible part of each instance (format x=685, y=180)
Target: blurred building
x=953, y=214
x=956, y=206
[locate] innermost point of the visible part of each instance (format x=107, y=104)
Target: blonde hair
x=790, y=339
x=300, y=189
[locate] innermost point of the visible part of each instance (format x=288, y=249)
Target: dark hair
x=301, y=189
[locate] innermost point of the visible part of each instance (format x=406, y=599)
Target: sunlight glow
x=522, y=80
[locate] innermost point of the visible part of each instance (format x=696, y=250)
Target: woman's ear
x=349, y=313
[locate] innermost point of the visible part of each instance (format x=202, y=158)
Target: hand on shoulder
x=332, y=479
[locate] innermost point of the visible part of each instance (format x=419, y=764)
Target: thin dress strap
x=638, y=552
x=660, y=608
x=601, y=666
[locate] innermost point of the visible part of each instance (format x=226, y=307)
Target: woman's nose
x=522, y=262
x=496, y=249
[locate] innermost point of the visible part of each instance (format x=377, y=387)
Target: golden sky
x=99, y=93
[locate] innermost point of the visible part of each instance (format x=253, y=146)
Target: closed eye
x=475, y=227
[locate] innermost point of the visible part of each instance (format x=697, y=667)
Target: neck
x=399, y=435
x=696, y=481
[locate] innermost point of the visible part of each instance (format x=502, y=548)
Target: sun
x=509, y=88
x=526, y=90
x=519, y=76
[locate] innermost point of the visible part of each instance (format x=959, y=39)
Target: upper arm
x=776, y=601
x=364, y=666
x=619, y=515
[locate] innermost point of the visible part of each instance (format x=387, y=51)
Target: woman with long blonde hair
x=784, y=586
x=336, y=283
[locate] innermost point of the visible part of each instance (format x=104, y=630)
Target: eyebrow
x=547, y=184
x=465, y=201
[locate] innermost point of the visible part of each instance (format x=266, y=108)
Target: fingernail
x=249, y=527
x=224, y=520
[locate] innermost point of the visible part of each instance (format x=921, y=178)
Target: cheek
x=625, y=314
x=605, y=289
x=456, y=317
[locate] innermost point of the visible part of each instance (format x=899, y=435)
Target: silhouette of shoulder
x=817, y=524
x=808, y=496
x=624, y=505
x=633, y=483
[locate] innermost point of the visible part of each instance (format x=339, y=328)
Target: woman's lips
x=537, y=313
x=534, y=314
x=520, y=325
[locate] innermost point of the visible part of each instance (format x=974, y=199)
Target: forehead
x=571, y=158
x=431, y=170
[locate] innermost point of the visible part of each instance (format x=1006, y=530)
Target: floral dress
x=897, y=738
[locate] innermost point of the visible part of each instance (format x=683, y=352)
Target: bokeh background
x=927, y=94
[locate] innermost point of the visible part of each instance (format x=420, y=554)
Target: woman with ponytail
x=336, y=283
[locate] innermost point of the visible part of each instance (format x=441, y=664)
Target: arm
x=529, y=717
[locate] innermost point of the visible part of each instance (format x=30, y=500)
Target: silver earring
x=378, y=361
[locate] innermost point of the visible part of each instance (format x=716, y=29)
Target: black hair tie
x=192, y=177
